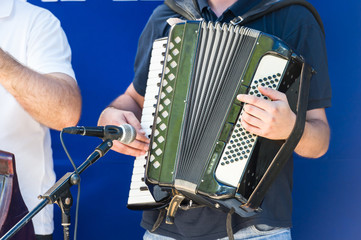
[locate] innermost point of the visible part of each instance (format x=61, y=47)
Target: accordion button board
x=239, y=148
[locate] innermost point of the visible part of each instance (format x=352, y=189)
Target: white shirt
x=35, y=38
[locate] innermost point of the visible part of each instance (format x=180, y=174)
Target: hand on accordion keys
x=270, y=119
x=114, y=116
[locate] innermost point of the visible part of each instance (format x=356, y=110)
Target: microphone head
x=129, y=134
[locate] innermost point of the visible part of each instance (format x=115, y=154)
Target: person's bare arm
x=275, y=120
x=127, y=108
x=52, y=99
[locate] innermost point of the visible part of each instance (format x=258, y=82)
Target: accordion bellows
x=199, y=149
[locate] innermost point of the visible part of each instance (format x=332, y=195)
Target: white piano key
x=139, y=193
x=139, y=170
x=148, y=111
x=137, y=185
x=150, y=103
x=153, y=81
x=148, y=118
x=141, y=199
x=154, y=74
x=160, y=43
x=146, y=126
x=136, y=177
x=156, y=63
x=151, y=94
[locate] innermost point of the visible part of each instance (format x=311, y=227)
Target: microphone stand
x=60, y=194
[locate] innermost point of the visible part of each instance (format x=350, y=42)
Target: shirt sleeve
x=48, y=47
x=157, y=27
x=309, y=40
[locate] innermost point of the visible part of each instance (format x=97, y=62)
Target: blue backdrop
x=103, y=35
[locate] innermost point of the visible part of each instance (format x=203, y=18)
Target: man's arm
x=52, y=99
x=275, y=120
x=127, y=108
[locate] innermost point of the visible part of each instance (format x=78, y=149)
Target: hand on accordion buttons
x=270, y=119
x=114, y=116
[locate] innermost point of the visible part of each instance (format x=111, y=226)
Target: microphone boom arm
x=60, y=192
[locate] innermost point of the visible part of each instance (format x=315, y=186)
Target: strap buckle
x=237, y=20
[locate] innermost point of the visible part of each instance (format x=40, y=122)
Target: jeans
x=252, y=232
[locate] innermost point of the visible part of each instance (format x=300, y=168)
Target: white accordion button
x=171, y=76
x=173, y=64
x=156, y=164
x=162, y=126
x=161, y=139
x=158, y=152
x=175, y=52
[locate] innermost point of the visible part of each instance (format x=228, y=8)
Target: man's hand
x=114, y=116
x=270, y=119
x=275, y=120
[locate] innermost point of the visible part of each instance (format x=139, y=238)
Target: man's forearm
x=315, y=139
x=129, y=101
x=51, y=99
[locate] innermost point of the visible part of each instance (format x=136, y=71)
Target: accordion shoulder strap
x=268, y=6
x=187, y=8
x=190, y=10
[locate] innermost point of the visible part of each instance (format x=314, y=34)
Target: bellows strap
x=229, y=224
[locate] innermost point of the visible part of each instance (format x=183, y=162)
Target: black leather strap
x=187, y=8
x=268, y=6
x=190, y=10
x=159, y=220
x=229, y=224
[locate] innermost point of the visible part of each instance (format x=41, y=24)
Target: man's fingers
x=255, y=101
x=251, y=120
x=273, y=94
x=135, y=149
x=132, y=120
x=250, y=128
x=255, y=111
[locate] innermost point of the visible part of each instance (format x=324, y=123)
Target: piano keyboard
x=139, y=195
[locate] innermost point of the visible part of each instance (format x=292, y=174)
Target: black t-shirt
x=296, y=26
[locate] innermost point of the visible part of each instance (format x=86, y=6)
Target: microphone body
x=124, y=133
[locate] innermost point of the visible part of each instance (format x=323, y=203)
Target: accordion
x=199, y=150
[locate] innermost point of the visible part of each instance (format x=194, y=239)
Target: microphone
x=124, y=133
